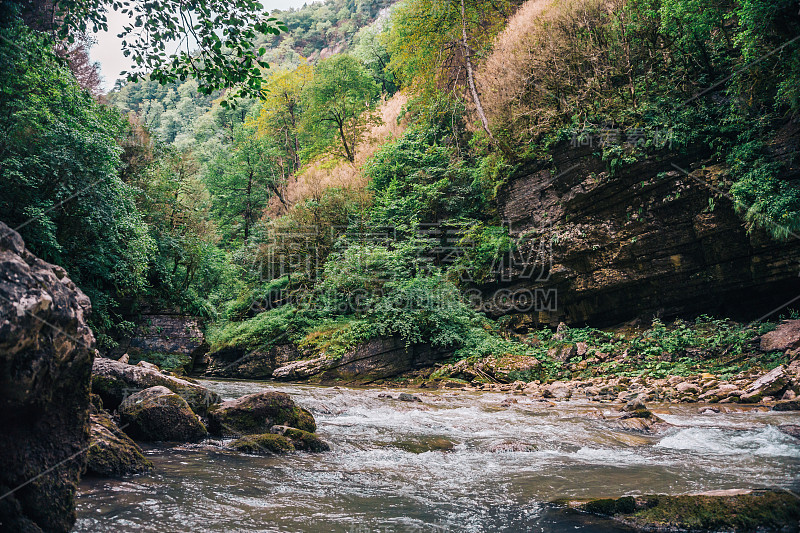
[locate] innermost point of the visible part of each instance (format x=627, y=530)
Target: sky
x=108, y=50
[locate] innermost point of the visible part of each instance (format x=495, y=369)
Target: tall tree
x=281, y=110
x=339, y=101
x=242, y=179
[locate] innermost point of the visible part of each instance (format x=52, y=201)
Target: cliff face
x=46, y=353
x=648, y=241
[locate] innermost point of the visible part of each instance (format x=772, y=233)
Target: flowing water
x=457, y=461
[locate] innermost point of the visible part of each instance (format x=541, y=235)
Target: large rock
x=379, y=358
x=112, y=453
x=725, y=510
x=113, y=381
x=263, y=444
x=302, y=440
x=46, y=352
x=257, y=413
x=158, y=414
x=604, y=249
x=769, y=384
x=785, y=337
x=787, y=405
x=640, y=419
x=256, y=364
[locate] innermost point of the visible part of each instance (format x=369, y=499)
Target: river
x=457, y=461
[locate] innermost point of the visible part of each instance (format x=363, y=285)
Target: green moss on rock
x=257, y=413
x=266, y=443
x=158, y=414
x=111, y=452
x=766, y=510
x=305, y=441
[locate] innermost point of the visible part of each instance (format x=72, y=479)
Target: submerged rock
x=406, y=397
x=740, y=511
x=302, y=440
x=639, y=418
x=265, y=443
x=257, y=413
x=111, y=452
x=46, y=352
x=787, y=405
x=158, y=414
x=511, y=446
x=114, y=381
x=793, y=430
x=424, y=444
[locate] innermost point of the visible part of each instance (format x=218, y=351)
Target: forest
x=159, y=195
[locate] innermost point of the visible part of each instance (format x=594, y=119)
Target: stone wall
x=165, y=333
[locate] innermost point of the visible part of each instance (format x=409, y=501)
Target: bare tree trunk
x=470, y=78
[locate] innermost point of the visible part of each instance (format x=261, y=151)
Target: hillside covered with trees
x=535, y=201
x=259, y=213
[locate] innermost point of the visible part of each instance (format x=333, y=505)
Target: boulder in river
x=302, y=440
x=158, y=414
x=257, y=413
x=46, y=352
x=112, y=453
x=264, y=444
x=787, y=405
x=114, y=381
x=640, y=419
x=793, y=430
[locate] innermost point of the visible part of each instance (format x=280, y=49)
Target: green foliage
x=215, y=38
x=420, y=178
x=681, y=348
x=59, y=182
x=171, y=362
x=338, y=104
x=242, y=179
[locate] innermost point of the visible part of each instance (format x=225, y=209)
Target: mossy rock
x=257, y=413
x=610, y=506
x=265, y=443
x=111, y=452
x=302, y=440
x=96, y=402
x=158, y=414
x=765, y=510
x=113, y=381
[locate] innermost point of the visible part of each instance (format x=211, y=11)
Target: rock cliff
x=46, y=353
x=650, y=240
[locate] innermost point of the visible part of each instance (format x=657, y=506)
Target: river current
x=456, y=461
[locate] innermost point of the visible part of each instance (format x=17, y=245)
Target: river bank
x=454, y=461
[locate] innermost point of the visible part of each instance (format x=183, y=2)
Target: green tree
x=215, y=37
x=242, y=179
x=60, y=185
x=370, y=49
x=339, y=103
x=281, y=110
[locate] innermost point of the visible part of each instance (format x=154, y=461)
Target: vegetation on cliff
x=352, y=192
